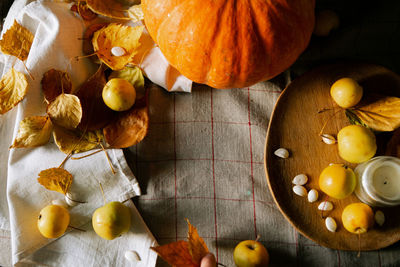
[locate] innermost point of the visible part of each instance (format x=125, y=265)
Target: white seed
x=59, y=202
x=300, y=179
x=330, y=164
x=325, y=205
x=118, y=51
x=312, y=195
x=379, y=217
x=69, y=198
x=299, y=190
x=132, y=256
x=328, y=139
x=282, y=153
x=330, y=224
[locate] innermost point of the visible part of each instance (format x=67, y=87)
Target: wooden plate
x=295, y=124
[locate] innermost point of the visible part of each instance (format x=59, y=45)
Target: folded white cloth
x=56, y=31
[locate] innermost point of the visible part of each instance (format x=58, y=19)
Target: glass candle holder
x=379, y=181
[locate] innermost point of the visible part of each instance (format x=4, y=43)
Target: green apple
x=250, y=253
x=111, y=220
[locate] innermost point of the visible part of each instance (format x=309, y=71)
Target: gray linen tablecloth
x=203, y=156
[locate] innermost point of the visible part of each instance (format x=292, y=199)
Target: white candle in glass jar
x=379, y=181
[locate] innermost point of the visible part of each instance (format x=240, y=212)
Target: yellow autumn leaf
x=55, y=179
x=133, y=75
x=117, y=35
x=13, y=88
x=17, y=41
x=381, y=115
x=197, y=247
x=33, y=131
x=73, y=141
x=109, y=8
x=135, y=13
x=65, y=111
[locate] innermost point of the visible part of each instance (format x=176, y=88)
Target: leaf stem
x=108, y=159
x=76, y=228
x=102, y=193
x=326, y=122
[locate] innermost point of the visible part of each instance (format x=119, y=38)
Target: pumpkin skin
x=230, y=43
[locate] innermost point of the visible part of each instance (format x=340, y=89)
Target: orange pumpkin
x=230, y=43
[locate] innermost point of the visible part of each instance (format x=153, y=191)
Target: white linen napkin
x=56, y=31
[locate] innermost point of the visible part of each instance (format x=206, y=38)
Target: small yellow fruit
x=53, y=221
x=337, y=181
x=357, y=218
x=119, y=94
x=250, y=253
x=346, y=92
x=111, y=220
x=356, y=143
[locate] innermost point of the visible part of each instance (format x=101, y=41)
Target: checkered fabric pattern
x=203, y=156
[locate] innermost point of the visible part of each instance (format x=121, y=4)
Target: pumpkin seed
x=118, y=51
x=325, y=205
x=379, y=217
x=312, y=195
x=330, y=224
x=300, y=179
x=282, y=153
x=299, y=190
x=132, y=256
x=328, y=139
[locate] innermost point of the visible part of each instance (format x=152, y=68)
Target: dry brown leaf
x=74, y=141
x=393, y=146
x=109, y=8
x=13, y=88
x=55, y=179
x=33, y=131
x=95, y=114
x=83, y=10
x=135, y=13
x=130, y=128
x=54, y=83
x=381, y=115
x=176, y=253
x=65, y=111
x=197, y=247
x=117, y=35
x=17, y=41
x=87, y=46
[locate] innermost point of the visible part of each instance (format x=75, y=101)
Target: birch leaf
x=117, y=35
x=13, y=88
x=109, y=8
x=133, y=75
x=65, y=111
x=382, y=115
x=54, y=83
x=176, y=254
x=135, y=13
x=17, y=41
x=74, y=141
x=33, y=131
x=197, y=247
x=56, y=179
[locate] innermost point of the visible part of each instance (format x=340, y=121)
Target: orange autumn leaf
x=83, y=10
x=197, y=247
x=13, y=88
x=17, y=41
x=56, y=179
x=130, y=128
x=54, y=83
x=87, y=46
x=184, y=253
x=33, y=131
x=176, y=253
x=95, y=114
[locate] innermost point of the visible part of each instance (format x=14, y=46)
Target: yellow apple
x=53, y=220
x=337, y=181
x=346, y=92
x=119, y=94
x=250, y=253
x=356, y=143
x=111, y=220
x=357, y=218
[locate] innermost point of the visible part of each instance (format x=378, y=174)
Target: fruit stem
x=102, y=193
x=88, y=155
x=75, y=228
x=359, y=245
x=326, y=122
x=220, y=264
x=257, y=238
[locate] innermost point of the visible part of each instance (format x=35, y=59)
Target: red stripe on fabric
x=379, y=258
x=251, y=164
x=175, y=201
x=297, y=246
x=213, y=171
x=338, y=257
